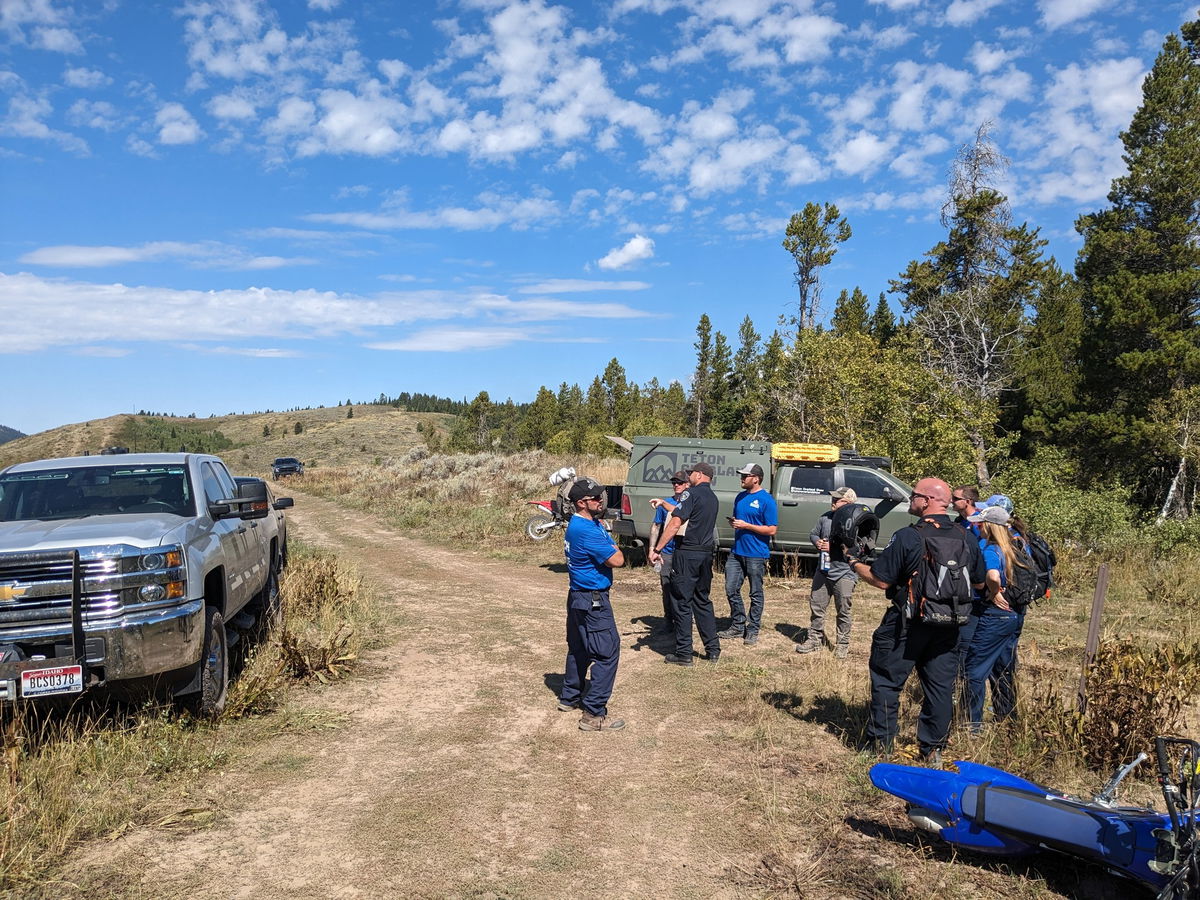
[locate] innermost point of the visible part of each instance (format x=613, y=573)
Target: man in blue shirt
x=592, y=637
x=755, y=520
x=662, y=509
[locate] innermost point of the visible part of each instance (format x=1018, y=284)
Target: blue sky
x=232, y=205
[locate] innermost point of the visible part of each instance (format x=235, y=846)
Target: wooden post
x=1093, y=637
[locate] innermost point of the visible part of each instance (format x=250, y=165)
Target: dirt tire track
x=455, y=775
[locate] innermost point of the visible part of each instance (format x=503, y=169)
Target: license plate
x=56, y=680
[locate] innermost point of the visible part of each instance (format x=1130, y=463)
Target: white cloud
x=455, y=340
x=896, y=5
x=24, y=119
x=1056, y=13
x=90, y=315
x=636, y=249
x=95, y=114
x=580, y=285
x=516, y=212
x=85, y=78
x=324, y=5
x=987, y=59
x=208, y=254
x=965, y=12
x=862, y=153
x=57, y=40
x=231, y=106
x=176, y=125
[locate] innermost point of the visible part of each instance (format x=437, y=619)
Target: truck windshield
x=74, y=493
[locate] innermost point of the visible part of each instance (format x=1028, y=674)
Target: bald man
x=901, y=643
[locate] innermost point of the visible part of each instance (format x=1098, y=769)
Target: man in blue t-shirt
x=662, y=509
x=592, y=637
x=755, y=520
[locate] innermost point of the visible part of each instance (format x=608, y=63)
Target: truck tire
x=536, y=526
x=209, y=701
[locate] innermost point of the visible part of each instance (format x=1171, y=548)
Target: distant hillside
x=9, y=434
x=249, y=442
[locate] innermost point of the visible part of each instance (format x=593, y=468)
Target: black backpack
x=939, y=590
x=1022, y=587
x=1044, y=561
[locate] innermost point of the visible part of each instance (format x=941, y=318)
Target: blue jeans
x=993, y=636
x=737, y=570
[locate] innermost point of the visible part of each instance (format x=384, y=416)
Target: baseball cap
x=751, y=469
x=996, y=515
x=844, y=493
x=585, y=487
x=997, y=500
x=679, y=477
x=703, y=468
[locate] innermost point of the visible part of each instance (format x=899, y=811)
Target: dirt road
x=452, y=773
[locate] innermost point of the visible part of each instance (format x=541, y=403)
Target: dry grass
x=474, y=500
x=327, y=437
x=98, y=769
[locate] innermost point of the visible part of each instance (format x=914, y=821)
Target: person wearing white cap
x=755, y=520
x=833, y=578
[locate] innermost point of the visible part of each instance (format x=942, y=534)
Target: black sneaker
x=730, y=633
x=674, y=660
x=750, y=639
x=713, y=657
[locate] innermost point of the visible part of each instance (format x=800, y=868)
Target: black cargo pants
x=898, y=647
x=691, y=580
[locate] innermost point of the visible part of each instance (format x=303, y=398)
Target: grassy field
x=327, y=437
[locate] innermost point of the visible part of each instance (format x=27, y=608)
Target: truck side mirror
x=890, y=494
x=284, y=503
x=253, y=500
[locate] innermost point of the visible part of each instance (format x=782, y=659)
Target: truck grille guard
x=59, y=562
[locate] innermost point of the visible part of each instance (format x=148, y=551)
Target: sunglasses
x=958, y=499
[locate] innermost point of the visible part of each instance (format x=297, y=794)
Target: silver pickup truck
x=134, y=571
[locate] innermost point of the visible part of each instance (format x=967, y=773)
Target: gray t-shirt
x=839, y=568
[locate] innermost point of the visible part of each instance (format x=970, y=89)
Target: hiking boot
x=932, y=757
x=567, y=707
x=730, y=632
x=751, y=639
x=713, y=657
x=811, y=645
x=600, y=723
x=841, y=651
x=675, y=660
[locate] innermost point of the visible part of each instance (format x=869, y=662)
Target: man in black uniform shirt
x=899, y=645
x=691, y=570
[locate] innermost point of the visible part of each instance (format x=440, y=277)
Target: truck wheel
x=270, y=601
x=538, y=528
x=209, y=701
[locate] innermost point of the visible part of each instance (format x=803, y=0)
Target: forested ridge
x=1001, y=360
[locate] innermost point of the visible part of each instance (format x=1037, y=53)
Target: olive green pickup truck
x=799, y=476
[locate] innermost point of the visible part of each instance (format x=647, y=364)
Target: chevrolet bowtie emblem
x=10, y=592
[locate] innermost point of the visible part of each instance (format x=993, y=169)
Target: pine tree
x=699, y=401
x=882, y=324
x=850, y=313
x=969, y=294
x=1139, y=270
x=812, y=239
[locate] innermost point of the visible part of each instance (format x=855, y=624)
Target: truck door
x=802, y=494
x=238, y=542
x=871, y=486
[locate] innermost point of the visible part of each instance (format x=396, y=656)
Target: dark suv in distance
x=286, y=465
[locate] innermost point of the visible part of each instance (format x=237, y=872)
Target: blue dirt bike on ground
x=990, y=811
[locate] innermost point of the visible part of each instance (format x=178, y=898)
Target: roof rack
x=827, y=454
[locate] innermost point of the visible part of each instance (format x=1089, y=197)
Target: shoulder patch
x=684, y=496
